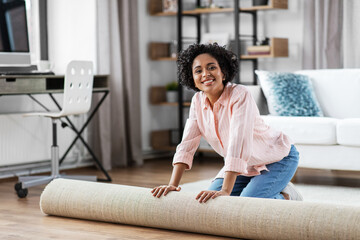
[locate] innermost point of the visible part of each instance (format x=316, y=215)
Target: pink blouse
x=235, y=130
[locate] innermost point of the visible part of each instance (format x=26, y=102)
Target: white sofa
x=333, y=141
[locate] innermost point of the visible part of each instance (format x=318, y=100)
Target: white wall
x=71, y=32
x=286, y=24
x=275, y=23
x=72, y=27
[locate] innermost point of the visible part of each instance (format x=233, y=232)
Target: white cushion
x=337, y=90
x=329, y=157
x=305, y=130
x=348, y=132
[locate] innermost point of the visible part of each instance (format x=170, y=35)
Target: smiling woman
x=258, y=161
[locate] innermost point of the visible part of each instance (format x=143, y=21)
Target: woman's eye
x=197, y=71
x=212, y=67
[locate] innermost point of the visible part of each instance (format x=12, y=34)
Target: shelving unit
x=279, y=48
x=160, y=52
x=161, y=140
x=155, y=8
x=158, y=97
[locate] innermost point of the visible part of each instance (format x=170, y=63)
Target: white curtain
x=117, y=126
x=322, y=43
x=351, y=38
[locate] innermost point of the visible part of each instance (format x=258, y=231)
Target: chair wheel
x=18, y=186
x=22, y=192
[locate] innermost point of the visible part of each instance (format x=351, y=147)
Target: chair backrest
x=78, y=87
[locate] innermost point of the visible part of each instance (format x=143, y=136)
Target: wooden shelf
x=215, y=10
x=161, y=140
x=159, y=14
x=155, y=8
x=158, y=97
x=165, y=148
x=160, y=51
x=255, y=56
x=164, y=59
x=198, y=11
x=279, y=47
x=205, y=150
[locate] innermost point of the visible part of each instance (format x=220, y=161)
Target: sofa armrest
x=348, y=132
x=259, y=98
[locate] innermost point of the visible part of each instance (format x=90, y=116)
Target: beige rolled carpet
x=249, y=218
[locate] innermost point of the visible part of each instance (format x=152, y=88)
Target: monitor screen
x=14, y=40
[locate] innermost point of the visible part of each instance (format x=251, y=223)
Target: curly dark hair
x=227, y=60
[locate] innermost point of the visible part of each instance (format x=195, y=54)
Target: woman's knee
x=216, y=184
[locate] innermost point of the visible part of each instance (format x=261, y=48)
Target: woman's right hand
x=164, y=189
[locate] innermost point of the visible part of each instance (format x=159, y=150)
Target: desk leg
x=78, y=136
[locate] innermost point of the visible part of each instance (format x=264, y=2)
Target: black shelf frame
x=237, y=47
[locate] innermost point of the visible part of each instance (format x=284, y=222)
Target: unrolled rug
x=249, y=218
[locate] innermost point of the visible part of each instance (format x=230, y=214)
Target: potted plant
x=172, y=91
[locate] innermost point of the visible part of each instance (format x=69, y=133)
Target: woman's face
x=207, y=74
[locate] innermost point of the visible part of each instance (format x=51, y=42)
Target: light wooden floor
x=22, y=219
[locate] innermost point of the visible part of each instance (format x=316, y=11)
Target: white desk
x=40, y=84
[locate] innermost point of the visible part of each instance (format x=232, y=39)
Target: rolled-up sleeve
x=191, y=138
x=239, y=151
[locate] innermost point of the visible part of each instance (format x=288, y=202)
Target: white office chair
x=78, y=86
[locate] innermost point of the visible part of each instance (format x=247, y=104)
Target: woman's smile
x=208, y=82
x=208, y=76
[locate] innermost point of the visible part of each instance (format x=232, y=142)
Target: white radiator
x=28, y=139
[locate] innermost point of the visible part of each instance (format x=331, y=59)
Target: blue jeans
x=268, y=184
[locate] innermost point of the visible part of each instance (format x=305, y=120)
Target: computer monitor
x=14, y=37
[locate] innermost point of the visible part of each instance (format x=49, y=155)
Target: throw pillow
x=289, y=94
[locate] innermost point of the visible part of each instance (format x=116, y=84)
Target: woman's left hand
x=205, y=195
